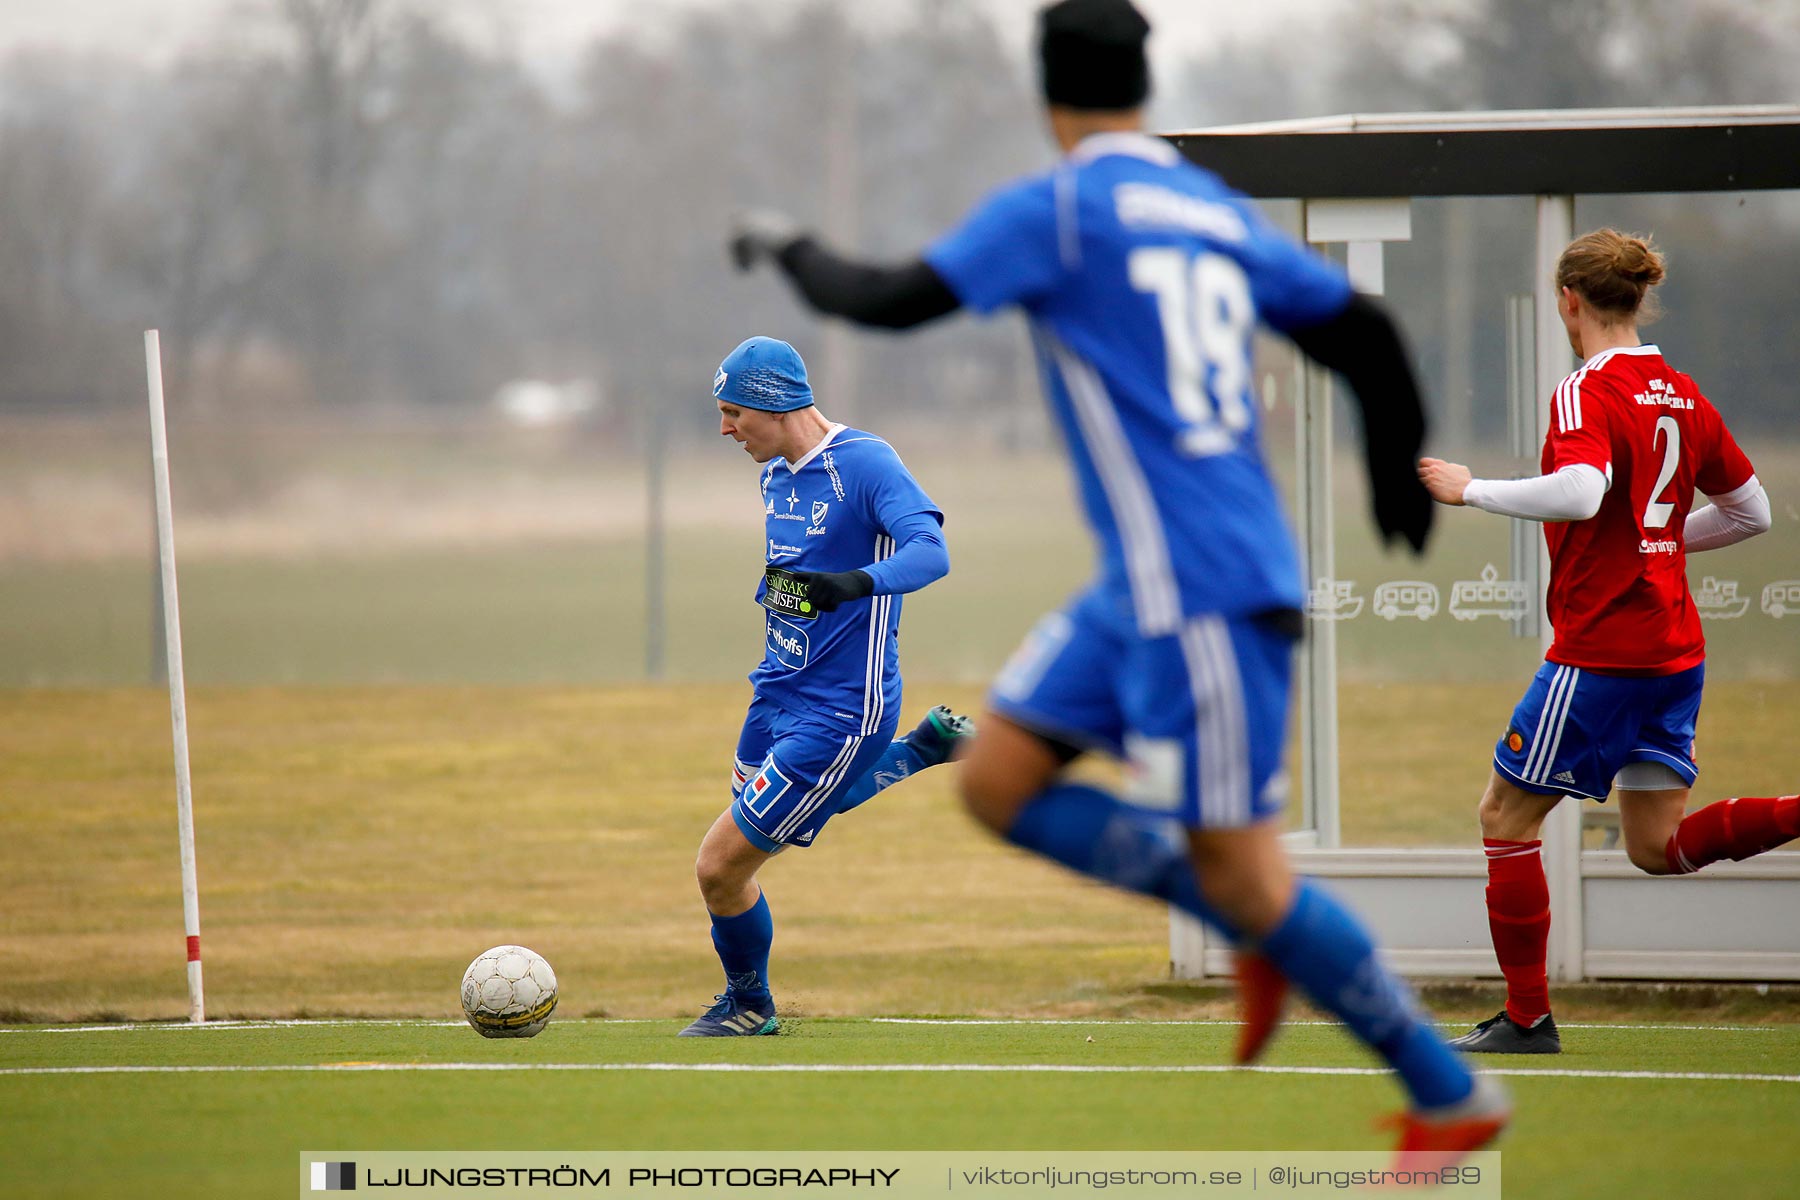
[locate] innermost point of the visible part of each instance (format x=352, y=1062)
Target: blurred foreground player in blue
x=1143, y=277
x=847, y=532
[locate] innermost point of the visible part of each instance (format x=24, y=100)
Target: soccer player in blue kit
x=1143, y=277
x=848, y=531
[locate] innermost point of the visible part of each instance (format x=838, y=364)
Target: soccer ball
x=509, y=991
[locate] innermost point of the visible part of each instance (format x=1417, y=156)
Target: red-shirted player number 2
x=1656, y=513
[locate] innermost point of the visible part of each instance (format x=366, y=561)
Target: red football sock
x=1518, y=904
x=1735, y=829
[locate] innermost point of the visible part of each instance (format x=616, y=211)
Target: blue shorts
x=1200, y=716
x=791, y=771
x=1575, y=729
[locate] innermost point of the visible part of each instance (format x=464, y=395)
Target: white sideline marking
x=287, y=1023
x=416, y=1022
x=133, y=1026
x=1026, y=1020
x=876, y=1068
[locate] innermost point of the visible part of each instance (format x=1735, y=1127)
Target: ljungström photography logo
x=334, y=1177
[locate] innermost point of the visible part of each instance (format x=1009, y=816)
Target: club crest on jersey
x=819, y=509
x=719, y=383
x=765, y=788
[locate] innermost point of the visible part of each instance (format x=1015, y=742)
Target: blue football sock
x=1323, y=948
x=743, y=944
x=897, y=762
x=1088, y=829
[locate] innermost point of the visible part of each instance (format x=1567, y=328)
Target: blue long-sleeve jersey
x=1144, y=277
x=850, y=504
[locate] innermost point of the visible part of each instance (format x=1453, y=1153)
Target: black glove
x=761, y=234
x=1363, y=344
x=828, y=589
x=1402, y=505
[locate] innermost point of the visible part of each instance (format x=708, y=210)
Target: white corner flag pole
x=184, y=795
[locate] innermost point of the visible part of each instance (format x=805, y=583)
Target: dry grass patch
x=357, y=846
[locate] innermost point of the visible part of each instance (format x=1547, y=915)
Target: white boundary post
x=1363, y=225
x=1316, y=656
x=1562, y=829
x=184, y=797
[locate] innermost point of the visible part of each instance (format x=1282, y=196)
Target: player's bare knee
x=1244, y=878
x=719, y=892
x=1251, y=902
x=1512, y=814
x=706, y=872
x=718, y=881
x=1224, y=889
x=1651, y=860
x=1004, y=769
x=1490, y=812
x=987, y=797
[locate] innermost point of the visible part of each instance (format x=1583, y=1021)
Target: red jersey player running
x=1631, y=439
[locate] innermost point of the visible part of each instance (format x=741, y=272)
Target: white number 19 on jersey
x=1206, y=312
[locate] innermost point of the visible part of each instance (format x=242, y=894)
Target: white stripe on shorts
x=1541, y=737
x=827, y=781
x=1207, y=760
x=1562, y=720
x=1220, y=736
x=1550, y=725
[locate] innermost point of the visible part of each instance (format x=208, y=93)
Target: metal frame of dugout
x=1355, y=177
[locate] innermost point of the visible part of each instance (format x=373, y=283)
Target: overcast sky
x=155, y=30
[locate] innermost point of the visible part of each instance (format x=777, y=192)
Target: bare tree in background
x=210, y=222
x=52, y=161
x=336, y=108
x=367, y=209
x=1417, y=55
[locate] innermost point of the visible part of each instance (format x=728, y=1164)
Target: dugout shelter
x=1356, y=178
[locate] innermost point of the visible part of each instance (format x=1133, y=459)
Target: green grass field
x=357, y=846
x=1658, y=1111
x=411, y=743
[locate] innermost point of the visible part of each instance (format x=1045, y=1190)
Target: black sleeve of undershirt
x=1363, y=344
x=896, y=297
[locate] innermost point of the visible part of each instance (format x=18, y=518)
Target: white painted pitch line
x=134, y=1026
x=372, y=1022
x=874, y=1068
x=415, y=1022
x=1619, y=1025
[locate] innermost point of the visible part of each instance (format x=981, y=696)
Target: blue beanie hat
x=763, y=373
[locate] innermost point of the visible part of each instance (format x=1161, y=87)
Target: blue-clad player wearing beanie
x=847, y=533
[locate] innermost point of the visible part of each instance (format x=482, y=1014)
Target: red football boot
x=1262, y=995
x=1433, y=1140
